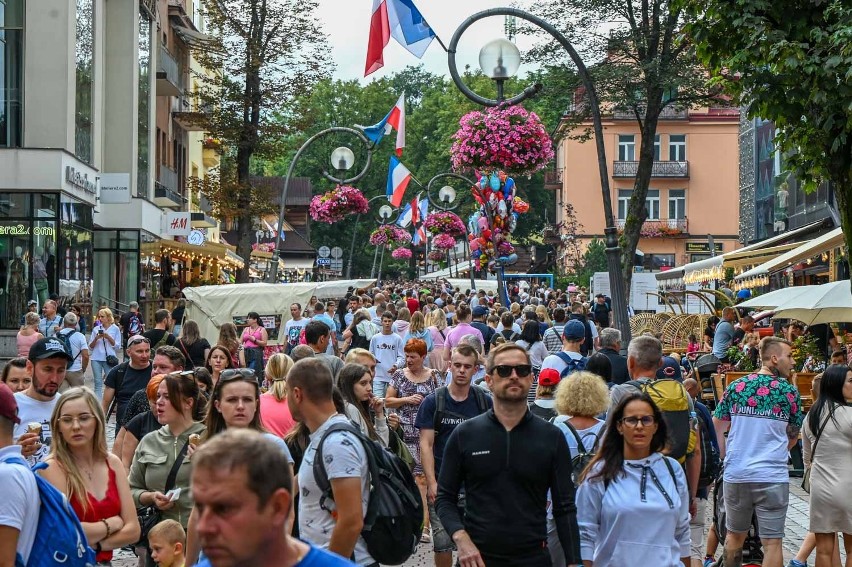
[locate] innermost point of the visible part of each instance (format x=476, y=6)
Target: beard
x=513, y=393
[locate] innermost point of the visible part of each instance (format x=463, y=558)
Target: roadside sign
x=323, y=261
x=337, y=252
x=324, y=251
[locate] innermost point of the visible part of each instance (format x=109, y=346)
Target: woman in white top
x=368, y=412
x=531, y=342
x=103, y=341
x=633, y=503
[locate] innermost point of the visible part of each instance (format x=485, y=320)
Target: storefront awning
x=802, y=252
x=207, y=251
x=714, y=268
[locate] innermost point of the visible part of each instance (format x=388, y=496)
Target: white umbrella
x=778, y=297
x=828, y=303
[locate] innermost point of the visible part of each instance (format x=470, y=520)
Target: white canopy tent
x=802, y=252
x=775, y=298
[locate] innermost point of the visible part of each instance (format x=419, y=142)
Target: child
x=693, y=345
x=166, y=541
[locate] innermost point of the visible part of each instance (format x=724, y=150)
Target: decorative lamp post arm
x=354, y=233
x=276, y=255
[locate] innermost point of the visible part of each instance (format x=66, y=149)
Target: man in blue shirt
x=724, y=336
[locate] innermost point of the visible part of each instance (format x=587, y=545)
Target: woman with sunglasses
x=180, y=408
x=633, y=502
x=95, y=482
x=218, y=360
x=235, y=403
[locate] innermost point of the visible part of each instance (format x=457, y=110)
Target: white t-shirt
x=19, y=508
x=102, y=347
x=78, y=344
x=292, y=330
x=344, y=457
x=555, y=362
x=29, y=411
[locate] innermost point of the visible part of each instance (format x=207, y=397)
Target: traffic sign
x=324, y=251
x=337, y=252
x=323, y=261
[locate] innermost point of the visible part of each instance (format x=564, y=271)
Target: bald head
x=692, y=387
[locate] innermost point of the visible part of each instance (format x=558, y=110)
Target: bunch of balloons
x=490, y=228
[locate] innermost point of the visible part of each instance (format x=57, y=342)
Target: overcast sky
x=347, y=25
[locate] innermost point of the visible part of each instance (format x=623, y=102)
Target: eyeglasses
x=83, y=419
x=633, y=421
x=233, y=373
x=505, y=370
x=137, y=339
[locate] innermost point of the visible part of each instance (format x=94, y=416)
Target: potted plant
x=444, y=242
x=335, y=205
x=445, y=222
x=389, y=234
x=401, y=254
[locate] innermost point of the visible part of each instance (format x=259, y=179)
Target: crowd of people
x=531, y=439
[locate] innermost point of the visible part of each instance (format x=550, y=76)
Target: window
x=626, y=147
x=677, y=204
x=677, y=147
x=84, y=55
x=652, y=203
x=657, y=147
x=656, y=262
x=143, y=160
x=11, y=72
x=623, y=202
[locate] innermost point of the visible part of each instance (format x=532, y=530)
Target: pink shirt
x=275, y=416
x=25, y=342
x=460, y=330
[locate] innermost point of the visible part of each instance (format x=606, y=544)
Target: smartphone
x=100, y=331
x=173, y=494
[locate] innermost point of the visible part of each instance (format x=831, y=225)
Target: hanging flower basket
x=337, y=204
x=401, y=254
x=508, y=138
x=445, y=222
x=444, y=242
x=389, y=234
x=437, y=256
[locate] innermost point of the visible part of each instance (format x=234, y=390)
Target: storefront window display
x=116, y=266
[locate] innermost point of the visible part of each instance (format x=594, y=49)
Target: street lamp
x=385, y=212
x=447, y=202
x=342, y=159
x=354, y=234
x=613, y=250
x=499, y=60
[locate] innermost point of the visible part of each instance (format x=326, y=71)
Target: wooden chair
x=718, y=386
x=805, y=385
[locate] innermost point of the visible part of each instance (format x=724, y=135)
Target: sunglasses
x=133, y=340
x=505, y=370
x=233, y=373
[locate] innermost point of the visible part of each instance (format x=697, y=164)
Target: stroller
x=703, y=366
x=752, y=549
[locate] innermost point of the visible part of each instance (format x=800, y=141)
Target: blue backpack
x=60, y=539
x=571, y=365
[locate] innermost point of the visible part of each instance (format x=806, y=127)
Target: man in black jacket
x=507, y=460
x=611, y=348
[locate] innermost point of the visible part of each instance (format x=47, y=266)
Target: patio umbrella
x=778, y=297
x=827, y=303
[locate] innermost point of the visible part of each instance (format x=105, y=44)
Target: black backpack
x=571, y=364
x=394, y=519
x=711, y=464
x=65, y=339
x=584, y=456
x=441, y=405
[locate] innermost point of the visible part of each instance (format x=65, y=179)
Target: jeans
x=99, y=370
x=380, y=388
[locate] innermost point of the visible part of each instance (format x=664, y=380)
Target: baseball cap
x=574, y=330
x=8, y=404
x=670, y=369
x=548, y=377
x=479, y=311
x=32, y=302
x=48, y=348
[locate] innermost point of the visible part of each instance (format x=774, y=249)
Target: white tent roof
x=807, y=250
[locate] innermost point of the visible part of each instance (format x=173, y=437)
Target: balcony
x=660, y=169
x=166, y=189
x=188, y=115
x=553, y=178
x=202, y=220
x=179, y=15
x=660, y=228
x=169, y=74
x=668, y=113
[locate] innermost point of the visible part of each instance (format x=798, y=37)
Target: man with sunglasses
x=507, y=460
x=128, y=377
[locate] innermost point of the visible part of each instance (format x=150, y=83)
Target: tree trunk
x=843, y=192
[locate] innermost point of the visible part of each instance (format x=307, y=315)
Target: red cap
x=8, y=404
x=548, y=377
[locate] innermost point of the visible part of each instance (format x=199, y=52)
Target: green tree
x=789, y=62
x=263, y=54
x=644, y=64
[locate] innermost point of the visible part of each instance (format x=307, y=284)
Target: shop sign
x=702, y=247
x=26, y=229
x=115, y=188
x=80, y=179
x=178, y=224
x=196, y=237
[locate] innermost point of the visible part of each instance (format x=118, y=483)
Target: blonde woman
x=93, y=479
x=28, y=335
x=417, y=330
x=543, y=316
x=436, y=324
x=275, y=414
x=105, y=338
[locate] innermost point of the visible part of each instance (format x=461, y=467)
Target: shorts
x=442, y=542
x=768, y=501
x=696, y=529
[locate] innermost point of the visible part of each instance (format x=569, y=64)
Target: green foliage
x=789, y=62
x=594, y=260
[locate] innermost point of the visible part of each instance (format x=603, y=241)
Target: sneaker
x=796, y=563
x=709, y=561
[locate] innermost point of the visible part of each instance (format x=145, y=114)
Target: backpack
x=584, y=456
x=164, y=340
x=711, y=464
x=60, y=538
x=65, y=339
x=441, y=405
x=571, y=364
x=673, y=401
x=394, y=519
x=135, y=325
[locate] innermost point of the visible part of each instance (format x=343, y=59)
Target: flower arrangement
x=807, y=354
x=389, y=234
x=335, y=205
x=437, y=256
x=211, y=143
x=401, y=254
x=445, y=222
x=444, y=242
x=508, y=138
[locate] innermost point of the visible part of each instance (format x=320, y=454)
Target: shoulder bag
x=149, y=516
x=806, y=479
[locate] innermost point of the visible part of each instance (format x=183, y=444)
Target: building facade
x=693, y=194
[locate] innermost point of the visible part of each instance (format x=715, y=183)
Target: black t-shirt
x=739, y=335
x=601, y=311
x=134, y=380
x=487, y=333
x=195, y=351
x=156, y=335
x=143, y=424
x=177, y=315
x=124, y=322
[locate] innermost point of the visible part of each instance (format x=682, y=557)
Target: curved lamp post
x=385, y=212
x=342, y=159
x=354, y=233
x=447, y=202
x=495, y=59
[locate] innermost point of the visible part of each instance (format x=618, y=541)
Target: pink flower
x=752, y=402
x=791, y=397
x=794, y=407
x=776, y=409
x=773, y=384
x=762, y=391
x=740, y=386
x=401, y=254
